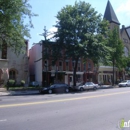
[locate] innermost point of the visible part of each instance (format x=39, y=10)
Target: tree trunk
x=113, y=72
x=74, y=72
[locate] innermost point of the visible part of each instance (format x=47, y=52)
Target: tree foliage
x=127, y=69
x=81, y=33
x=13, y=29
x=117, y=54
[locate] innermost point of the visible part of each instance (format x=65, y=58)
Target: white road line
x=3, y=120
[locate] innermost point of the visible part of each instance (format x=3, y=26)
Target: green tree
x=13, y=28
x=82, y=34
x=127, y=69
x=117, y=54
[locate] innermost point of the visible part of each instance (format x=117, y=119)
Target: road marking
x=61, y=100
x=3, y=120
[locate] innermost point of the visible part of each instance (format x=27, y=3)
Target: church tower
x=111, y=16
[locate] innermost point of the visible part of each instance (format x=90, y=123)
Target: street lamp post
x=45, y=37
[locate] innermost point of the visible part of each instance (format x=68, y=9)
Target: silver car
x=87, y=86
x=125, y=83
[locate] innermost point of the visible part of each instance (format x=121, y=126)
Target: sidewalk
x=4, y=92
x=108, y=86
x=26, y=92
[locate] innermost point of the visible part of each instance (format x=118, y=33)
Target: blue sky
x=48, y=9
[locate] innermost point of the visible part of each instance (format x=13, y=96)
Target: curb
x=107, y=87
x=18, y=93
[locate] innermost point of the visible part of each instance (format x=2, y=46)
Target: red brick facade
x=63, y=71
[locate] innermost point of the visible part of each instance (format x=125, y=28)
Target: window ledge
x=3, y=59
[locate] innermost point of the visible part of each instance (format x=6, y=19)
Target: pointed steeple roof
x=110, y=14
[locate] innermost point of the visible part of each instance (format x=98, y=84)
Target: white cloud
x=123, y=12
x=124, y=8
x=53, y=29
x=51, y=32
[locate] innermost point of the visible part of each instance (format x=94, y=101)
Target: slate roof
x=128, y=30
x=110, y=14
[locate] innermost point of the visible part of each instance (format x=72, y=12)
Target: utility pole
x=44, y=34
x=113, y=71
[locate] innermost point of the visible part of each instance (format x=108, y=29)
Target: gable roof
x=128, y=30
x=110, y=14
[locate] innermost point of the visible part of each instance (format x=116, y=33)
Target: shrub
x=11, y=83
x=22, y=82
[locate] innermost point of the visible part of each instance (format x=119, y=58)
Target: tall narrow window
x=60, y=65
x=78, y=78
x=46, y=65
x=53, y=66
x=79, y=66
x=84, y=66
x=73, y=64
x=4, y=51
x=67, y=65
x=89, y=65
x=12, y=74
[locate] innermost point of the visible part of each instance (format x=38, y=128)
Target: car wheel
x=126, y=85
x=66, y=90
x=50, y=91
x=94, y=88
x=81, y=89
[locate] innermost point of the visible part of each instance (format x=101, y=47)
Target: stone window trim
x=12, y=73
x=13, y=69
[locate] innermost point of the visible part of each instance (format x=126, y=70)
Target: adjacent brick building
x=62, y=72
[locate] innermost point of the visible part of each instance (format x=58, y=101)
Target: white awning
x=71, y=72
x=107, y=68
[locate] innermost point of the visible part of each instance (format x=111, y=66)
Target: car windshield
x=80, y=84
x=89, y=83
x=52, y=86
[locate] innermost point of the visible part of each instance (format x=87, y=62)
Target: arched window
x=126, y=51
x=12, y=74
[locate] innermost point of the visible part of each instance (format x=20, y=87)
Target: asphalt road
x=93, y=110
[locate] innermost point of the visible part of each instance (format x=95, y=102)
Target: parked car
x=55, y=88
x=125, y=83
x=34, y=84
x=86, y=86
